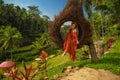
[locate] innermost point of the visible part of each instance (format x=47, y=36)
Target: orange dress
x=70, y=44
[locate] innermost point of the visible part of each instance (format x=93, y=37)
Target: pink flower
x=8, y=74
x=7, y=64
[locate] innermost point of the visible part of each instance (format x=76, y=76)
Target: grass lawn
x=109, y=61
x=55, y=65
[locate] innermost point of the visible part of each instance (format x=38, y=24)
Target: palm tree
x=88, y=6
x=34, y=11
x=42, y=42
x=1, y=2
x=114, y=6
x=46, y=17
x=10, y=39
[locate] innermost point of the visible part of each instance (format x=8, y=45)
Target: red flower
x=42, y=79
x=43, y=55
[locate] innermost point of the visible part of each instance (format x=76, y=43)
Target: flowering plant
x=43, y=55
x=25, y=75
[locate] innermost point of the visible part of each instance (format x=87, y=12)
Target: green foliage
x=113, y=30
x=64, y=30
x=102, y=14
x=41, y=42
x=10, y=33
x=110, y=61
x=28, y=22
x=10, y=38
x=44, y=43
x=26, y=56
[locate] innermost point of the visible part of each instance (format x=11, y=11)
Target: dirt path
x=85, y=73
x=75, y=73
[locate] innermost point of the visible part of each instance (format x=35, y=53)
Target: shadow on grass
x=110, y=58
x=115, y=61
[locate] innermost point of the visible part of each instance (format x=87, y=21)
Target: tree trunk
x=102, y=28
x=119, y=26
x=94, y=57
x=93, y=27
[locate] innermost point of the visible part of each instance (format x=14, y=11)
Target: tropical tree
x=42, y=42
x=46, y=22
x=88, y=7
x=10, y=38
x=29, y=22
x=102, y=8
x=1, y=2
x=34, y=11
x=115, y=12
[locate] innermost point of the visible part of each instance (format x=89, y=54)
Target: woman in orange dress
x=71, y=41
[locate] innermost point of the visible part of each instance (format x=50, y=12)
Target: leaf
x=23, y=74
x=28, y=71
x=34, y=74
x=15, y=70
x=24, y=65
x=12, y=75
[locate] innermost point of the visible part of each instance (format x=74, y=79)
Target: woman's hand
x=77, y=42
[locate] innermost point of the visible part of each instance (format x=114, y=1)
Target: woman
x=71, y=41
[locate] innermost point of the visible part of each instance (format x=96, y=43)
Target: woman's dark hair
x=71, y=25
x=75, y=24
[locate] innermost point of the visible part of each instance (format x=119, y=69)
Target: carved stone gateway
x=73, y=11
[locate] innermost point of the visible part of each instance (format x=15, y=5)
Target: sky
x=48, y=7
